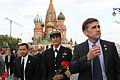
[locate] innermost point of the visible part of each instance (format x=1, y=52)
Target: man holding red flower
x=56, y=59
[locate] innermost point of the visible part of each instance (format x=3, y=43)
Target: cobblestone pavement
x=9, y=78
x=73, y=77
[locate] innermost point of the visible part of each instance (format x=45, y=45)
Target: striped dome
x=37, y=19
x=61, y=16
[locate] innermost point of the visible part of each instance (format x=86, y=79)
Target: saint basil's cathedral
x=42, y=30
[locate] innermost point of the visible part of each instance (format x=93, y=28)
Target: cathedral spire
x=51, y=5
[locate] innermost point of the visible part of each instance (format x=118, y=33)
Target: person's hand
x=93, y=52
x=0, y=78
x=58, y=77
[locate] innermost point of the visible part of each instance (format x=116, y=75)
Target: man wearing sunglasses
x=95, y=59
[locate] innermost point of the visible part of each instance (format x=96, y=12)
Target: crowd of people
x=94, y=59
x=8, y=59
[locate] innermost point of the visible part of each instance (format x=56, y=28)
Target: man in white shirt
x=26, y=66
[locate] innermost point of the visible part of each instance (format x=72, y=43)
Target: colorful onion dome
x=50, y=25
x=61, y=16
x=37, y=19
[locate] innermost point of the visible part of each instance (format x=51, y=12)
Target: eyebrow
x=96, y=26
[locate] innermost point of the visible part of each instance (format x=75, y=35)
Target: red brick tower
x=61, y=27
x=50, y=19
x=38, y=30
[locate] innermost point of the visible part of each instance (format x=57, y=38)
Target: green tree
x=71, y=40
x=9, y=42
x=75, y=42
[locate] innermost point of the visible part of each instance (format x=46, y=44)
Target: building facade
x=42, y=29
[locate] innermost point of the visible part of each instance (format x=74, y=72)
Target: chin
x=99, y=37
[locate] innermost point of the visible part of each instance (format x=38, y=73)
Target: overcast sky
x=75, y=11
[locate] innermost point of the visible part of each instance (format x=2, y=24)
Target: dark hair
x=24, y=44
x=88, y=21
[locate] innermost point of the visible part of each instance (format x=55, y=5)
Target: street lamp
x=114, y=13
x=115, y=9
x=11, y=21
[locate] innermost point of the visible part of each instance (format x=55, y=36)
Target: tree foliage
x=75, y=43
x=71, y=40
x=9, y=42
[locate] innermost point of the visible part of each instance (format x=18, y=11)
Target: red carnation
x=4, y=75
x=65, y=64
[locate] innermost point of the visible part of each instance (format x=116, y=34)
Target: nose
x=98, y=29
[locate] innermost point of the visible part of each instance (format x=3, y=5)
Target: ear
x=85, y=32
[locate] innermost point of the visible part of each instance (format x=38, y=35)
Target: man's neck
x=93, y=41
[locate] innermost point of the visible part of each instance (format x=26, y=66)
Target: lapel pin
x=63, y=56
x=105, y=45
x=105, y=48
x=28, y=61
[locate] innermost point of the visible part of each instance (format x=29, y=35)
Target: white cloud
x=24, y=11
x=80, y=37
x=96, y=5
x=114, y=28
x=69, y=20
x=40, y=1
x=112, y=37
x=30, y=10
x=63, y=1
x=7, y=1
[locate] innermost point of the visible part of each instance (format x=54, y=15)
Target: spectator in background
x=39, y=56
x=2, y=64
x=13, y=57
x=8, y=61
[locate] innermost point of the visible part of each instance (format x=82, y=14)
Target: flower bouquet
x=64, y=68
x=5, y=75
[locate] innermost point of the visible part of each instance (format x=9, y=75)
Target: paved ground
x=9, y=78
x=73, y=77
